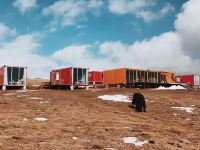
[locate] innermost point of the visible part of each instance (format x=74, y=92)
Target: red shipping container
x=95, y=77
x=69, y=76
x=193, y=80
x=13, y=76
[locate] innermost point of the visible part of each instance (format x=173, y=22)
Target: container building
x=13, y=77
x=137, y=77
x=70, y=77
x=191, y=80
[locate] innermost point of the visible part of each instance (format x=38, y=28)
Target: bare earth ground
x=97, y=124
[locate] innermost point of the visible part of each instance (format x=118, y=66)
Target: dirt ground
x=78, y=120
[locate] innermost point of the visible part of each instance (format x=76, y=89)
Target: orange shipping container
x=130, y=76
x=116, y=76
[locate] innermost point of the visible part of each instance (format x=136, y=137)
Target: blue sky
x=97, y=33
x=104, y=27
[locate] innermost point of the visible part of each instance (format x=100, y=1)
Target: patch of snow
x=152, y=101
x=7, y=94
x=25, y=119
x=174, y=87
x=116, y=98
x=127, y=127
x=188, y=119
x=21, y=95
x=42, y=102
x=192, y=105
x=36, y=98
x=135, y=141
x=40, y=119
x=187, y=109
x=21, y=91
x=35, y=85
x=111, y=149
x=174, y=114
x=74, y=138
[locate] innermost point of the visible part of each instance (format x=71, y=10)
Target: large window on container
x=84, y=76
x=138, y=75
x=150, y=76
x=145, y=76
x=127, y=76
x=15, y=75
x=21, y=75
x=131, y=76
x=159, y=77
x=75, y=77
x=80, y=76
x=135, y=75
x=156, y=77
x=9, y=75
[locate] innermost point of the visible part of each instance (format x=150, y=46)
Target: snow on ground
x=74, y=138
x=35, y=85
x=116, y=98
x=7, y=94
x=25, y=119
x=36, y=98
x=40, y=119
x=22, y=91
x=187, y=109
x=111, y=149
x=135, y=141
x=174, y=87
x=42, y=102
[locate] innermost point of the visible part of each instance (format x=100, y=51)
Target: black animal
x=138, y=102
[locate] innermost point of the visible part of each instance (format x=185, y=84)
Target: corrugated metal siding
x=95, y=76
x=108, y=77
x=116, y=76
x=186, y=79
x=61, y=76
x=120, y=76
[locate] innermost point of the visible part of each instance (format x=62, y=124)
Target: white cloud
x=25, y=5
x=80, y=56
x=139, y=8
x=188, y=27
x=71, y=12
x=163, y=52
x=170, y=51
x=6, y=31
x=23, y=52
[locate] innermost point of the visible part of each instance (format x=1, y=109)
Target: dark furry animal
x=138, y=102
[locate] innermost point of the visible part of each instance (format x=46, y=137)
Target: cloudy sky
x=100, y=34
